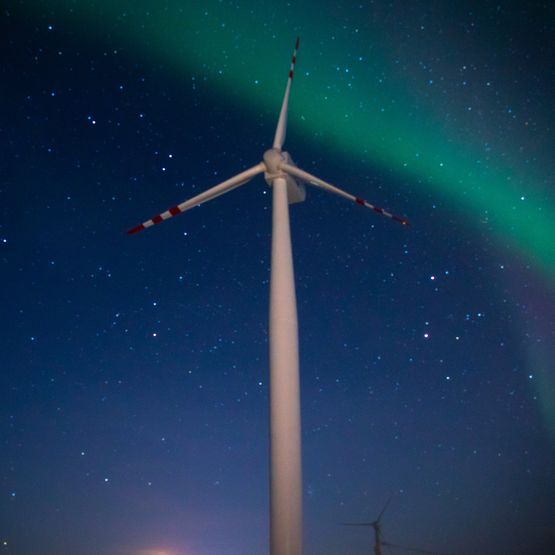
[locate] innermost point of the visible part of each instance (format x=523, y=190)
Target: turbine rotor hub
x=273, y=158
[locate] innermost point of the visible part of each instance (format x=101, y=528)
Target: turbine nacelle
x=273, y=159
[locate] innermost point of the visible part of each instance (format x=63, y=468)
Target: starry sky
x=134, y=381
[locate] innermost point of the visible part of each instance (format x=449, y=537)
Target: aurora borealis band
x=355, y=105
x=134, y=376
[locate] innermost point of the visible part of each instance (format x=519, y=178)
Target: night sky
x=134, y=374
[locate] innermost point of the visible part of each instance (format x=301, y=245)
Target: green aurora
x=379, y=108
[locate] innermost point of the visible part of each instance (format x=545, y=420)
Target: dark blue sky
x=133, y=416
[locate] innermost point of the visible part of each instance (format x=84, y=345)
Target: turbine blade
x=216, y=191
x=308, y=178
x=414, y=549
x=384, y=508
x=279, y=137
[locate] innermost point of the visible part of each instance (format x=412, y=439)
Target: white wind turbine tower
x=287, y=181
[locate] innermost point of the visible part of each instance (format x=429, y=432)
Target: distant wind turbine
x=287, y=181
x=378, y=542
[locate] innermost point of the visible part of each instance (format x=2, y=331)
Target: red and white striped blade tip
x=400, y=220
x=159, y=218
x=378, y=210
x=135, y=229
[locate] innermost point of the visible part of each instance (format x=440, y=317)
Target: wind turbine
x=287, y=181
x=378, y=542
x=376, y=524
